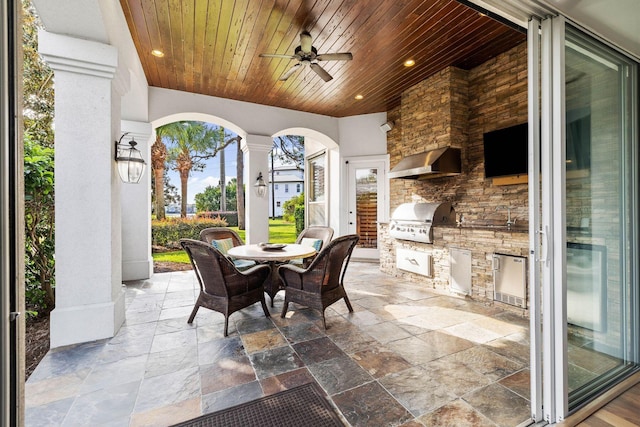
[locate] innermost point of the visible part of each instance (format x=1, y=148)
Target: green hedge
x=299, y=217
x=167, y=233
x=230, y=216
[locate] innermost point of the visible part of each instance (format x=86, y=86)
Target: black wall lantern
x=260, y=185
x=130, y=162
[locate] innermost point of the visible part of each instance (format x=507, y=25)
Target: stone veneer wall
x=456, y=107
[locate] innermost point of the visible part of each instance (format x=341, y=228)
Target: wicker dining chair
x=219, y=233
x=224, y=288
x=317, y=236
x=223, y=238
x=321, y=283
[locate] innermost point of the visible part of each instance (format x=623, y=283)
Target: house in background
x=285, y=183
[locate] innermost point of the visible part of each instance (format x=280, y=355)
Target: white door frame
x=547, y=209
x=535, y=235
x=350, y=164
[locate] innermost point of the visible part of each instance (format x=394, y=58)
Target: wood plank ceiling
x=211, y=47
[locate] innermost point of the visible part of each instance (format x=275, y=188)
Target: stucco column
x=89, y=295
x=137, y=262
x=256, y=150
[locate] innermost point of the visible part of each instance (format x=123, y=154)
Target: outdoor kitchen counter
x=500, y=228
x=481, y=240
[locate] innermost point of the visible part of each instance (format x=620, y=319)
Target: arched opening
x=201, y=181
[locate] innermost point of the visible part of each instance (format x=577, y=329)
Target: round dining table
x=263, y=253
x=274, y=255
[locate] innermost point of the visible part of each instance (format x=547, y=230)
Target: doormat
x=305, y=405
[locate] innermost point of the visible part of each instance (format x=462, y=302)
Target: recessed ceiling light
x=157, y=52
x=359, y=97
x=409, y=63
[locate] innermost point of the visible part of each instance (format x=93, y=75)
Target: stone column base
x=137, y=270
x=73, y=325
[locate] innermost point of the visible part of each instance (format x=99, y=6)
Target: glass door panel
x=316, y=199
x=367, y=207
x=366, y=203
x=601, y=204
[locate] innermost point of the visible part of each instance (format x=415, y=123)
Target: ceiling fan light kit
x=307, y=55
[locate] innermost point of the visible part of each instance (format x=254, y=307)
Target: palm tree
x=197, y=143
x=159, y=159
x=239, y=183
x=223, y=177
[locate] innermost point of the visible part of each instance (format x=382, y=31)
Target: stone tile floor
x=407, y=356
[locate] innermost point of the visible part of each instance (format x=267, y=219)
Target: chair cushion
x=315, y=243
x=243, y=264
x=223, y=245
x=307, y=241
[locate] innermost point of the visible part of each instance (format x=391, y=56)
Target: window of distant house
x=276, y=186
x=286, y=188
x=277, y=204
x=298, y=186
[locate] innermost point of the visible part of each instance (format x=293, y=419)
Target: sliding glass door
x=584, y=193
x=601, y=193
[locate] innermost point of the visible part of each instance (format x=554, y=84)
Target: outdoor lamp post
x=130, y=162
x=260, y=186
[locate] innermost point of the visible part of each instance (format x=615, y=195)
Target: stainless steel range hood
x=430, y=164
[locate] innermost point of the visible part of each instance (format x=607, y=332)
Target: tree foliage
x=37, y=82
x=170, y=192
x=289, y=207
x=159, y=164
x=289, y=149
x=39, y=228
x=240, y=184
x=209, y=199
x=188, y=151
x=38, y=110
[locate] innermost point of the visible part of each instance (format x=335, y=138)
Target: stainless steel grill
x=413, y=221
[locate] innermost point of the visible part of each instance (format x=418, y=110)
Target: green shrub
x=289, y=207
x=39, y=227
x=230, y=216
x=299, y=217
x=167, y=233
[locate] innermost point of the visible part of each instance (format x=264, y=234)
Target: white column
x=256, y=150
x=137, y=262
x=89, y=295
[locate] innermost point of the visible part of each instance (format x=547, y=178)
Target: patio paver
x=408, y=355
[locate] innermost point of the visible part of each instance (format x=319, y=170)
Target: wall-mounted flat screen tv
x=506, y=151
x=578, y=139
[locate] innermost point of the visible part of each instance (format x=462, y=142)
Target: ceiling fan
x=306, y=54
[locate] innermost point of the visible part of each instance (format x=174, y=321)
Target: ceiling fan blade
x=289, y=72
x=345, y=56
x=321, y=72
x=276, y=55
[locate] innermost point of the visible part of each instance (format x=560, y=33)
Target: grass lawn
x=279, y=232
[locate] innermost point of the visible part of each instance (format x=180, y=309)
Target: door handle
x=545, y=245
